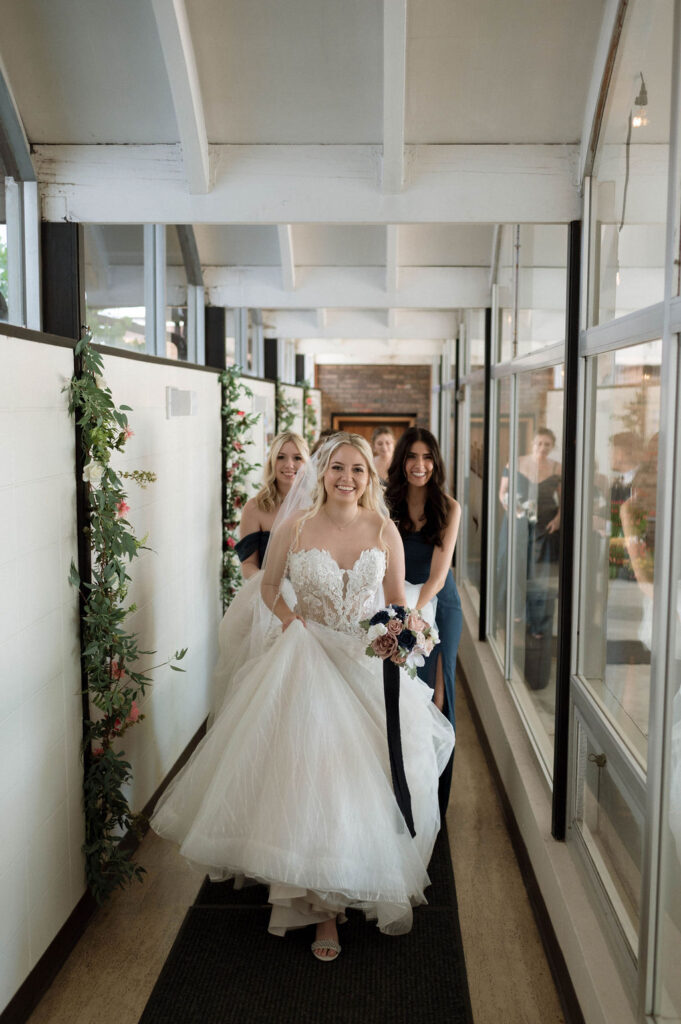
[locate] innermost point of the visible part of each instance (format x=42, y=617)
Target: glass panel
x=500, y=520
x=472, y=502
x=4, y=292
x=612, y=830
x=114, y=284
x=475, y=334
x=505, y=300
x=668, y=988
x=176, y=297
x=538, y=481
x=616, y=626
x=629, y=206
x=542, y=285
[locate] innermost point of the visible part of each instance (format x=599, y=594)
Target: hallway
x=112, y=970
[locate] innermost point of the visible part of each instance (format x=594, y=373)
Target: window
x=629, y=184
x=500, y=527
x=114, y=284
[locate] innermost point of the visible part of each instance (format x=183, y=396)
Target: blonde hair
x=371, y=499
x=268, y=497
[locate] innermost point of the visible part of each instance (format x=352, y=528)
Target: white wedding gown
x=291, y=786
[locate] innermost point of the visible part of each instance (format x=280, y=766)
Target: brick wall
x=375, y=389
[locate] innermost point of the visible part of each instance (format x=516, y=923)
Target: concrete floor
x=112, y=970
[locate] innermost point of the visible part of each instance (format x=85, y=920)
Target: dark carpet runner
x=225, y=968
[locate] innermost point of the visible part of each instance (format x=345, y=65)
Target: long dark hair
x=437, y=507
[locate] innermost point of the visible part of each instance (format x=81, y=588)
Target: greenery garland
x=310, y=432
x=109, y=653
x=236, y=423
x=285, y=408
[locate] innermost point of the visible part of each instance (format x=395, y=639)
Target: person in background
x=288, y=452
x=323, y=434
x=382, y=446
x=428, y=520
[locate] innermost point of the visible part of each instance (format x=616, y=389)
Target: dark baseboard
x=27, y=997
x=554, y=955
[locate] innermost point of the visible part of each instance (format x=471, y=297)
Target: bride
x=292, y=784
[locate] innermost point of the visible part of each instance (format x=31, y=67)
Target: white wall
x=176, y=588
x=41, y=865
x=262, y=401
x=294, y=393
x=176, y=584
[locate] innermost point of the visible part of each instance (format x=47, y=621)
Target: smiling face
x=542, y=446
x=288, y=462
x=384, y=446
x=347, y=475
x=418, y=464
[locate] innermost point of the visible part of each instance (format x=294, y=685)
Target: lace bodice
x=337, y=597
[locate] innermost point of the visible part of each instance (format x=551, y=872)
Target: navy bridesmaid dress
x=418, y=554
x=256, y=541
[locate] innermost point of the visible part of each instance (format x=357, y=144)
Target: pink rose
x=385, y=646
x=97, y=751
x=415, y=623
x=134, y=713
x=122, y=509
x=308, y=401
x=240, y=412
x=231, y=543
x=399, y=659
x=394, y=626
x=237, y=501
x=116, y=670
x=238, y=446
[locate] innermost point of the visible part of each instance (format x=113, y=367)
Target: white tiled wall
x=41, y=865
x=176, y=588
x=176, y=584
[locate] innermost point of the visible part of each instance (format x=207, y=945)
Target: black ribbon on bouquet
x=391, y=692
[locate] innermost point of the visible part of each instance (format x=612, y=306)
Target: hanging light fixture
x=640, y=115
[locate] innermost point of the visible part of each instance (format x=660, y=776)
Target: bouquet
x=402, y=635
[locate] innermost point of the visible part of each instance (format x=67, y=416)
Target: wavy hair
x=268, y=497
x=371, y=499
x=436, y=508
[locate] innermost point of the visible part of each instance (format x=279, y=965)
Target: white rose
x=391, y=612
x=93, y=473
x=378, y=629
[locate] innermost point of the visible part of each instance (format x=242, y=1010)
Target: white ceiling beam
x=394, y=91
x=180, y=61
x=391, y=258
x=288, y=265
x=348, y=287
x=530, y=184
x=322, y=319
x=494, y=257
x=371, y=350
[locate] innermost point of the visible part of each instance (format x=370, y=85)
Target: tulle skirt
x=292, y=787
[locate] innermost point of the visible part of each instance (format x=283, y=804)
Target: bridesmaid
x=428, y=521
x=288, y=452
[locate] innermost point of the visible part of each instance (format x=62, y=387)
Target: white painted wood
x=321, y=318
x=370, y=350
x=494, y=256
x=392, y=258
x=413, y=324
x=343, y=287
x=288, y=265
x=178, y=53
x=394, y=89
x=310, y=184
x=611, y=11
x=32, y=279
x=155, y=288
x=240, y=336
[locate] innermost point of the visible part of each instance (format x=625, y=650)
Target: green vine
x=285, y=409
x=310, y=424
x=109, y=653
x=235, y=426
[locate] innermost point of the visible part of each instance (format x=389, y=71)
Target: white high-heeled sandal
x=325, y=944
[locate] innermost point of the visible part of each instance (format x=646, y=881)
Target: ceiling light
x=640, y=115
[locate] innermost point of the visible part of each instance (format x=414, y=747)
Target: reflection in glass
x=629, y=187
x=612, y=831
x=505, y=292
x=538, y=483
x=542, y=285
x=114, y=284
x=475, y=340
x=4, y=282
x=472, y=502
x=176, y=332
x=616, y=631
x=500, y=522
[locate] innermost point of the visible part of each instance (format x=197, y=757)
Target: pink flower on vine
x=238, y=446
x=229, y=474
x=231, y=543
x=122, y=509
x=308, y=401
x=117, y=670
x=128, y=433
x=240, y=412
x=237, y=501
x=97, y=751
x=134, y=713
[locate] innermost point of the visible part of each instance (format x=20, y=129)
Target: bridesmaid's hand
x=287, y=622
